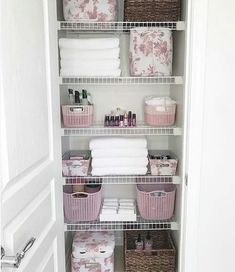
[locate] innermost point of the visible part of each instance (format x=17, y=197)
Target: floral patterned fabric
x=73, y=168
x=93, y=252
x=90, y=10
x=150, y=52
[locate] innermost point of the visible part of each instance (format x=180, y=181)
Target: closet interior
x=128, y=93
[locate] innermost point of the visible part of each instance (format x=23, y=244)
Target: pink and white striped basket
x=155, y=117
x=156, y=201
x=77, y=116
x=81, y=206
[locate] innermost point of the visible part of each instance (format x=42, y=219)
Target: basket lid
x=93, y=244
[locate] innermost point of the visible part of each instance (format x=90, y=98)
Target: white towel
x=117, y=142
x=116, y=153
x=118, y=171
x=159, y=101
x=101, y=54
x=84, y=44
x=119, y=162
x=90, y=64
x=126, y=211
x=95, y=72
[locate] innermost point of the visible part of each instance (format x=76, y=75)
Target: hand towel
x=120, y=162
x=111, y=200
x=159, y=101
x=90, y=64
x=95, y=72
x=117, y=153
x=85, y=44
x=101, y=54
x=118, y=171
x=126, y=211
x=108, y=211
x=126, y=200
x=117, y=142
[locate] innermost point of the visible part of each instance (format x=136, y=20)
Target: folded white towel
x=99, y=54
x=84, y=44
x=109, y=211
x=117, y=142
x=126, y=200
x=110, y=199
x=126, y=205
x=119, y=152
x=126, y=211
x=118, y=171
x=90, y=64
x=95, y=72
x=159, y=101
x=122, y=162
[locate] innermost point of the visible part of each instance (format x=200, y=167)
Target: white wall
x=210, y=235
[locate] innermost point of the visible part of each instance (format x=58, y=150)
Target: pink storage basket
x=155, y=117
x=77, y=116
x=81, y=206
x=156, y=201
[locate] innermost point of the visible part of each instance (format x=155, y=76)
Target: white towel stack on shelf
x=114, y=209
x=89, y=57
x=119, y=156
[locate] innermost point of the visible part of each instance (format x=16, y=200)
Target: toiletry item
x=121, y=121
x=129, y=118
x=92, y=188
x=78, y=188
x=112, y=122
x=116, y=121
x=133, y=121
x=71, y=96
x=139, y=245
x=77, y=97
x=148, y=244
x=106, y=121
x=125, y=120
x=84, y=98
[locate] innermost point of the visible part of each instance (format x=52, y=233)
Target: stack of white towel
x=119, y=156
x=114, y=209
x=89, y=57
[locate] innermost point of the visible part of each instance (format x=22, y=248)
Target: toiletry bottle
x=121, y=122
x=77, y=98
x=148, y=244
x=133, y=122
x=125, y=120
x=139, y=245
x=116, y=121
x=84, y=98
x=129, y=118
x=106, y=121
x=70, y=96
x=112, y=123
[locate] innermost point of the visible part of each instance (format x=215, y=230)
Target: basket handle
x=158, y=194
x=76, y=195
x=76, y=109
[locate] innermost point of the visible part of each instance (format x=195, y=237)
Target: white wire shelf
x=115, y=26
x=140, y=224
x=141, y=130
x=122, y=80
x=123, y=180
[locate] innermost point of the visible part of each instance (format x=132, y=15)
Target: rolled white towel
x=90, y=64
x=117, y=142
x=101, y=171
x=92, y=43
x=120, y=162
x=119, y=152
x=79, y=72
x=99, y=54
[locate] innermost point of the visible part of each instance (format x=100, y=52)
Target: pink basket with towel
x=88, y=10
x=81, y=206
x=160, y=115
x=77, y=116
x=156, y=201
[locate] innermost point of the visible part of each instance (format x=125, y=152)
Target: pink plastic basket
x=156, y=201
x=77, y=116
x=155, y=117
x=81, y=206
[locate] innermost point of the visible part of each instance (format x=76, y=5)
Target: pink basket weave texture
x=77, y=116
x=153, y=117
x=85, y=208
x=156, y=201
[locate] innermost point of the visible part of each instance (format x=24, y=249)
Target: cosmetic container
x=84, y=98
x=148, y=244
x=116, y=121
x=106, y=121
x=121, y=122
x=70, y=97
x=112, y=122
x=125, y=120
x=139, y=245
x=129, y=119
x=133, y=121
x=77, y=97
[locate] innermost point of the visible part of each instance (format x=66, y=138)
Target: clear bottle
x=139, y=244
x=70, y=97
x=125, y=120
x=148, y=244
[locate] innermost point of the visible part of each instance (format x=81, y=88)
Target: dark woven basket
x=161, y=259
x=151, y=10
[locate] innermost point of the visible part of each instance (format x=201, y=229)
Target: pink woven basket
x=77, y=116
x=155, y=117
x=156, y=201
x=81, y=206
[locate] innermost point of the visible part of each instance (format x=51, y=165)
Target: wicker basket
x=162, y=258
x=151, y=10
